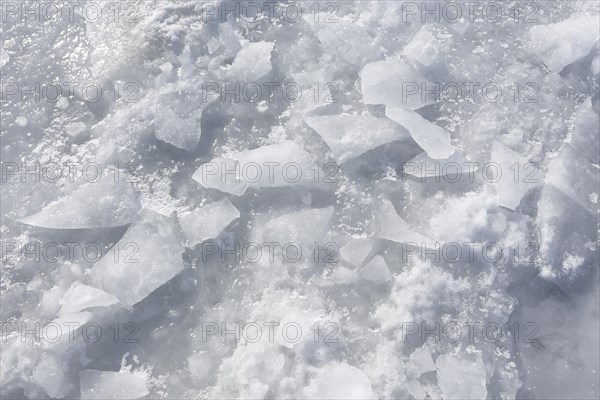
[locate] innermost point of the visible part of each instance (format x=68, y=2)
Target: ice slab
x=565, y=42
x=376, y=271
x=51, y=375
x=393, y=227
x=356, y=251
x=149, y=256
x=349, y=136
x=102, y=204
x=585, y=135
x=79, y=297
x=422, y=359
x=573, y=175
x=95, y=384
x=460, y=378
x=216, y=174
x=424, y=48
x=339, y=381
x=208, y=222
x=457, y=167
x=432, y=138
x=252, y=62
x=394, y=82
x=515, y=177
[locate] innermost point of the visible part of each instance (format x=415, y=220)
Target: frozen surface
x=111, y=385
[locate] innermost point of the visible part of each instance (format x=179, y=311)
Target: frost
x=96, y=384
x=345, y=134
x=432, y=138
x=208, y=222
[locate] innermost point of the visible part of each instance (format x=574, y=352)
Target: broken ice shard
x=207, y=222
x=80, y=297
x=252, y=62
x=96, y=384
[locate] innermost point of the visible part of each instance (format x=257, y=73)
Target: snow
x=96, y=384
x=207, y=222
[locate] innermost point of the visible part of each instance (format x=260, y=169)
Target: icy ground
x=168, y=234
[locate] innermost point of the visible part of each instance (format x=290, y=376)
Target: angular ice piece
x=302, y=227
x=516, y=175
x=422, y=166
x=422, y=359
x=149, y=256
x=76, y=130
x=461, y=379
x=432, y=138
x=356, y=251
x=96, y=384
x=59, y=324
x=339, y=381
x=102, y=204
x=573, y=175
x=252, y=62
x=393, y=227
x=344, y=38
x=79, y=297
x=221, y=174
x=349, y=136
x=376, y=271
x=4, y=57
x=424, y=48
x=208, y=222
x=394, y=82
x=177, y=117
x=565, y=42
x=51, y=375
x=584, y=136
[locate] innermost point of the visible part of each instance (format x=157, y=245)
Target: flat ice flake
x=422, y=359
x=252, y=62
x=216, y=174
x=393, y=82
x=102, y=204
x=422, y=166
x=376, y=271
x=576, y=177
x=208, y=222
x=339, y=381
x=177, y=117
x=461, y=379
x=516, y=176
x=584, y=136
x=349, y=136
x=96, y=384
x=356, y=251
x=51, y=375
x=565, y=42
x=149, y=256
x=432, y=138
x=393, y=227
x=80, y=297
x=424, y=48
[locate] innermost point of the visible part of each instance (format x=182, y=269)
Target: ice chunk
x=460, y=378
x=584, y=136
x=356, y=251
x=76, y=130
x=422, y=359
x=4, y=57
x=216, y=174
x=424, y=48
x=96, y=384
x=573, y=175
x=376, y=271
x=456, y=166
x=393, y=227
x=515, y=177
x=177, y=117
x=149, y=256
x=565, y=42
x=394, y=82
x=101, y=204
x=51, y=375
x=349, y=136
x=252, y=62
x=79, y=297
x=208, y=222
x=339, y=381
x=432, y=138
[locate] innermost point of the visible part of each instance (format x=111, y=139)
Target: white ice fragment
x=422, y=359
x=101, y=204
x=51, y=375
x=208, y=222
x=79, y=297
x=585, y=136
x=356, y=251
x=76, y=130
x=576, y=177
x=252, y=62
x=349, y=136
x=217, y=174
x=432, y=138
x=339, y=381
x=393, y=227
x=457, y=167
x=515, y=177
x=394, y=82
x=423, y=48
x=564, y=42
x=96, y=384
x=75, y=321
x=150, y=256
x=4, y=57
x=177, y=117
x=461, y=379
x=376, y=271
